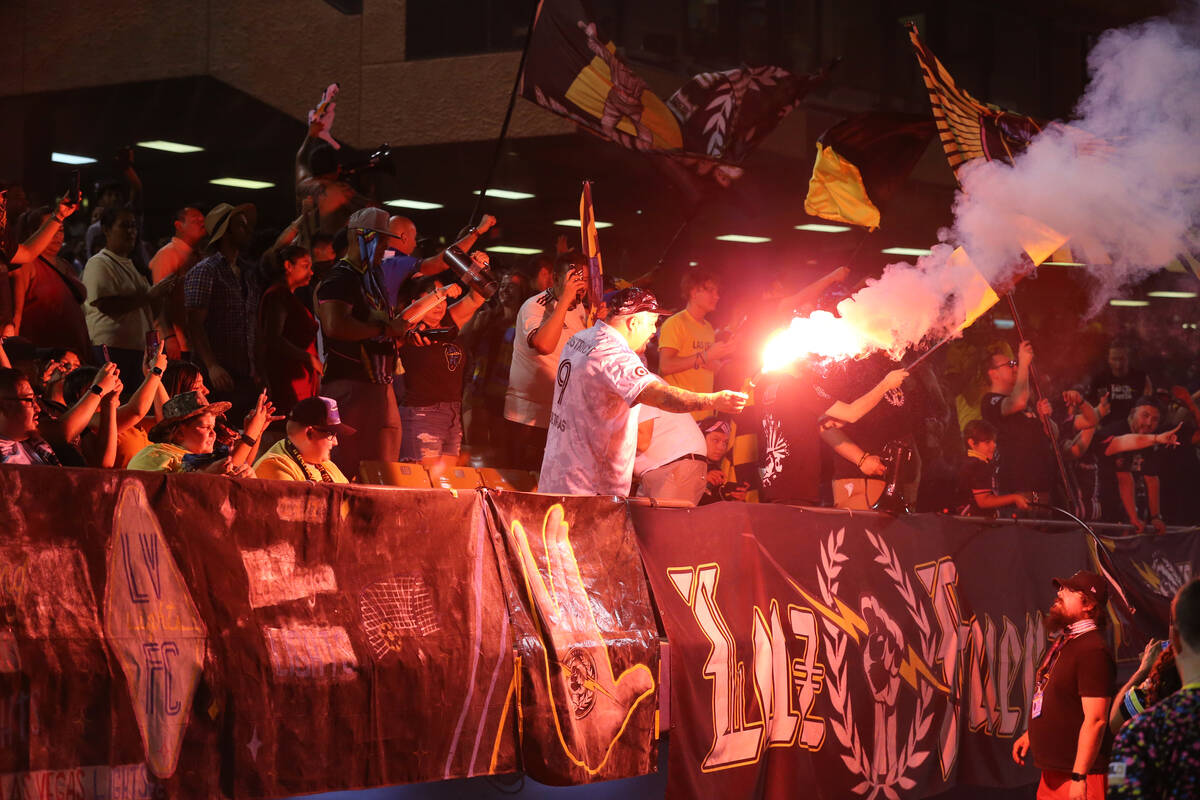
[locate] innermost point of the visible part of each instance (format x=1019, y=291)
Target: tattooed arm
x=672, y=398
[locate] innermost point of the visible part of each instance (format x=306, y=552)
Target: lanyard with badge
x=1073, y=631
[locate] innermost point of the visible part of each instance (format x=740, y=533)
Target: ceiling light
x=516, y=251
x=505, y=194
x=737, y=237
x=574, y=223
x=693, y=263
x=1129, y=303
x=416, y=205
x=1063, y=264
x=818, y=228
x=1173, y=295
x=242, y=183
x=170, y=147
x=905, y=251
x=67, y=158
x=1004, y=324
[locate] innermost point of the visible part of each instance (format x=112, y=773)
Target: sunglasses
x=1003, y=364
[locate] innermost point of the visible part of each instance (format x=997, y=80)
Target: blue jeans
x=431, y=431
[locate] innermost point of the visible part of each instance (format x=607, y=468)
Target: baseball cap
x=1089, y=583
x=634, y=301
x=369, y=219
x=321, y=413
x=714, y=424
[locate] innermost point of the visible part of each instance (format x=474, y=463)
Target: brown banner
x=193, y=636
x=585, y=635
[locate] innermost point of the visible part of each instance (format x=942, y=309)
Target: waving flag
x=710, y=124
x=591, y=247
x=861, y=162
x=968, y=128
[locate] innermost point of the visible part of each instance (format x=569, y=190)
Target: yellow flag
x=836, y=191
x=978, y=296
x=1039, y=241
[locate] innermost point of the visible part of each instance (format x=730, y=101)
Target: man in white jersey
x=593, y=431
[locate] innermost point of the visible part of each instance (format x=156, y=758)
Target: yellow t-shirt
x=161, y=457
x=688, y=336
x=277, y=465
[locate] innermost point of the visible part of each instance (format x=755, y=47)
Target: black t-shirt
x=1083, y=668
x=372, y=360
x=893, y=417
x=977, y=475
x=1181, y=475
x=433, y=373
x=789, y=444
x=1024, y=458
x=1139, y=463
x=1122, y=392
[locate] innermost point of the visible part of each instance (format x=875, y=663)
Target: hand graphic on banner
x=601, y=704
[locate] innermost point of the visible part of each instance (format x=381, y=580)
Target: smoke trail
x=1122, y=179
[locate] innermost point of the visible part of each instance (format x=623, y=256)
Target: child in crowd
x=979, y=474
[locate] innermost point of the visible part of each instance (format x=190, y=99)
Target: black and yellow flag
x=860, y=164
x=968, y=128
x=710, y=124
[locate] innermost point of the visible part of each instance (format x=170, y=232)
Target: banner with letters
x=585, y=634
x=195, y=636
x=192, y=636
x=858, y=655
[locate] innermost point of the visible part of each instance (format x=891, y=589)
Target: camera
x=381, y=159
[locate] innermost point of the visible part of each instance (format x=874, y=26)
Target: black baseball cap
x=634, y=301
x=711, y=424
x=322, y=414
x=1089, y=583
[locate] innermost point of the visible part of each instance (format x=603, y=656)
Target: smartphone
x=104, y=352
x=152, y=340
x=74, y=193
x=438, y=334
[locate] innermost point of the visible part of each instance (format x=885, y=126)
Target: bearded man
x=1068, y=716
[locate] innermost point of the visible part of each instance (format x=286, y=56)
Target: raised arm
x=435, y=264
x=1018, y=398
x=856, y=410
x=32, y=247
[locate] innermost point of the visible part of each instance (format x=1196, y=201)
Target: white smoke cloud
x=1121, y=179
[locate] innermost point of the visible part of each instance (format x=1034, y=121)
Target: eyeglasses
x=1003, y=364
x=28, y=400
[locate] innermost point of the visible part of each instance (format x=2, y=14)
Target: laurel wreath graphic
x=858, y=761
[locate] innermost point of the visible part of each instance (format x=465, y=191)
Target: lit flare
x=820, y=334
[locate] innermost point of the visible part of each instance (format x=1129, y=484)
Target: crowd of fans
x=337, y=342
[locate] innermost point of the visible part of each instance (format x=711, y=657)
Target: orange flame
x=821, y=334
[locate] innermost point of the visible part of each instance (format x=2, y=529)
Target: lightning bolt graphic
x=1148, y=574
x=850, y=622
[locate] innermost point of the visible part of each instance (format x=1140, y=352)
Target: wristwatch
x=1078, y=776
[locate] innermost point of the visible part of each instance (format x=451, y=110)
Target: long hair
x=1163, y=679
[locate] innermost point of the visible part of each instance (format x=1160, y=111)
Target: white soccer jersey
x=531, y=376
x=593, y=427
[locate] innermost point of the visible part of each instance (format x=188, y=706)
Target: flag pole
x=512, y=102
x=1038, y=397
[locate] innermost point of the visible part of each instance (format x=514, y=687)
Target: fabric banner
x=192, y=636
x=585, y=635
x=857, y=655
x=969, y=129
x=862, y=162
x=710, y=124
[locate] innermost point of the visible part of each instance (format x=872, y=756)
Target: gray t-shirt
x=593, y=426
